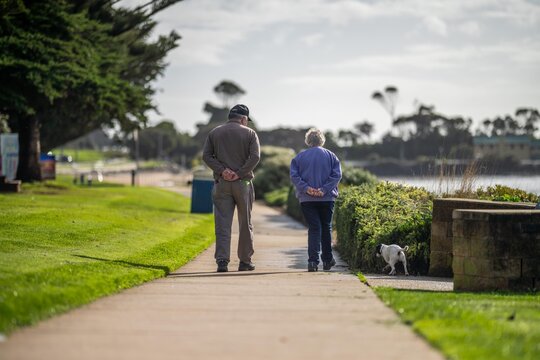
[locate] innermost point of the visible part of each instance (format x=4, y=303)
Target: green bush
x=277, y=197
x=505, y=193
x=385, y=213
x=350, y=176
x=272, y=173
x=356, y=176
x=293, y=206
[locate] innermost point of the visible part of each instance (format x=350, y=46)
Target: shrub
x=505, y=193
x=272, y=173
x=293, y=206
x=357, y=176
x=387, y=213
x=350, y=176
x=277, y=197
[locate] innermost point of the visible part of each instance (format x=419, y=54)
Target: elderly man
x=315, y=173
x=232, y=151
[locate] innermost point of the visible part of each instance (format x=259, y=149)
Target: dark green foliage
x=70, y=67
x=385, y=213
x=272, y=173
x=284, y=137
x=164, y=142
x=350, y=176
x=505, y=193
x=293, y=206
x=356, y=176
x=277, y=197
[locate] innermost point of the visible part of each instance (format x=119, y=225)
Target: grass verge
x=362, y=278
x=62, y=246
x=472, y=325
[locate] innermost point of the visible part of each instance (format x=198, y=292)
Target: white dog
x=392, y=254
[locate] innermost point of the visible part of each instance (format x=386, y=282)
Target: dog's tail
x=406, y=248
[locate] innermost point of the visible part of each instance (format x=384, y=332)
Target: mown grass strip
x=472, y=325
x=362, y=278
x=62, y=246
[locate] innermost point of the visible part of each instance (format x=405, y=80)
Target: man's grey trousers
x=226, y=196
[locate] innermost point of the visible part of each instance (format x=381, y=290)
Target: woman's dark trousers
x=318, y=215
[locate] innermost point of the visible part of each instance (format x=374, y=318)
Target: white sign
x=9, y=153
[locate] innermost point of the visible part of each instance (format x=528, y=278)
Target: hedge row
x=272, y=173
x=385, y=213
x=350, y=176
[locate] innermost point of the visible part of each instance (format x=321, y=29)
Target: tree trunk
x=29, y=150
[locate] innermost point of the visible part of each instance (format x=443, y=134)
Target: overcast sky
x=316, y=62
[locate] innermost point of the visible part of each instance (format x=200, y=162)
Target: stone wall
x=440, y=261
x=496, y=249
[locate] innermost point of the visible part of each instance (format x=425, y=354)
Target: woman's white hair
x=315, y=137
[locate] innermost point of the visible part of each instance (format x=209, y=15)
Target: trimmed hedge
x=277, y=197
x=386, y=213
x=272, y=173
x=506, y=193
x=357, y=176
x=350, y=176
x=293, y=206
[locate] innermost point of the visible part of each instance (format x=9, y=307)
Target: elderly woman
x=315, y=173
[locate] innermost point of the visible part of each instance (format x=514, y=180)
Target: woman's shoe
x=327, y=265
x=312, y=266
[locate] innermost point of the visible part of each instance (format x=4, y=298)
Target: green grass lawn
x=62, y=246
x=472, y=325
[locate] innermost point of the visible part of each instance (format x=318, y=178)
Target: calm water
x=527, y=183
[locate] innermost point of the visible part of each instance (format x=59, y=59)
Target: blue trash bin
x=201, y=192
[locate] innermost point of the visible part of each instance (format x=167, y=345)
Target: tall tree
x=229, y=92
x=364, y=129
x=388, y=99
x=529, y=118
x=71, y=67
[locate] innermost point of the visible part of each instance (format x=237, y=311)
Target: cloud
x=312, y=39
x=434, y=57
x=471, y=28
x=211, y=28
x=435, y=25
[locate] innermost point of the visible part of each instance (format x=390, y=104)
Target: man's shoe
x=312, y=266
x=327, y=265
x=246, y=266
x=222, y=266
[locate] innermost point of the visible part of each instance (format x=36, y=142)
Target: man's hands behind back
x=229, y=175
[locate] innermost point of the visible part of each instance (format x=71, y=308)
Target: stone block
x=439, y=237
x=476, y=266
x=449, y=232
x=476, y=228
x=458, y=265
x=438, y=229
x=516, y=246
x=505, y=228
x=479, y=283
x=531, y=267
x=523, y=283
x=457, y=228
x=482, y=246
x=440, y=264
x=443, y=208
x=508, y=268
x=461, y=246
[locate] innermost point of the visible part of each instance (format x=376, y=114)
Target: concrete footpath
x=279, y=311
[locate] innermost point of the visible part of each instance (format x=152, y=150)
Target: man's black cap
x=239, y=110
